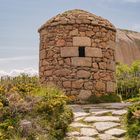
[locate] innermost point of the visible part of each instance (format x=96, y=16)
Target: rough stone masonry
x=77, y=54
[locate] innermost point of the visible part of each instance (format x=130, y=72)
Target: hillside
x=128, y=46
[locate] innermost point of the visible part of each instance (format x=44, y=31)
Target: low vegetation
x=107, y=98
x=128, y=80
x=128, y=87
x=133, y=122
x=31, y=112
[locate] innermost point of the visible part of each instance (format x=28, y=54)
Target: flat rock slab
x=119, y=112
x=102, y=126
x=78, y=118
x=102, y=119
x=74, y=133
x=103, y=112
x=106, y=137
x=80, y=114
x=116, y=132
x=84, y=138
x=88, y=132
x=116, y=105
x=94, y=110
x=79, y=125
x=77, y=108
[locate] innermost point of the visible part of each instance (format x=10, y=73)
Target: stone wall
x=61, y=65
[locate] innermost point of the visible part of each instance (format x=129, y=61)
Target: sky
x=20, y=20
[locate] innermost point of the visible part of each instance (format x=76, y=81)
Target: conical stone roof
x=78, y=17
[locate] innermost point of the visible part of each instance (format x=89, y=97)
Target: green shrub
x=23, y=84
x=133, y=121
x=22, y=98
x=56, y=113
x=128, y=80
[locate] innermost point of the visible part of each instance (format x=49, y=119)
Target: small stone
x=61, y=62
x=101, y=119
x=88, y=132
x=62, y=72
x=67, y=61
x=102, y=65
x=88, y=85
x=95, y=65
x=111, y=45
x=82, y=34
x=102, y=126
x=42, y=54
x=84, y=94
x=119, y=112
x=96, y=76
x=110, y=87
x=111, y=66
x=90, y=33
x=77, y=84
x=74, y=32
x=100, y=86
x=116, y=132
x=83, y=74
x=67, y=84
x=26, y=127
x=48, y=73
x=106, y=137
x=60, y=43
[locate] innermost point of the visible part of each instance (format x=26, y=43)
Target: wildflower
x=1, y=105
x=10, y=127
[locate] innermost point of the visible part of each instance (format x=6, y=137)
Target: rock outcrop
x=128, y=46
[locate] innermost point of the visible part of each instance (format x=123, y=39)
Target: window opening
x=81, y=51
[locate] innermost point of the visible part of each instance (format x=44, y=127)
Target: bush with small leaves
x=133, y=121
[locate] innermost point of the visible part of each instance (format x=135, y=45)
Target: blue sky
x=20, y=19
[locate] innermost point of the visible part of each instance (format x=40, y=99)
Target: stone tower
x=77, y=54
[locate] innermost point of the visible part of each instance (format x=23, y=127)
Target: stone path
x=98, y=122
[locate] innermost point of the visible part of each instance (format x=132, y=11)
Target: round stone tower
x=77, y=54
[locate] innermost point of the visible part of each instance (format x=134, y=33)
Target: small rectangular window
x=81, y=51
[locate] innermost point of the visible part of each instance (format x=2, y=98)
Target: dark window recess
x=81, y=51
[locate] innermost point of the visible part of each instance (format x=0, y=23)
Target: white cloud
x=16, y=72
